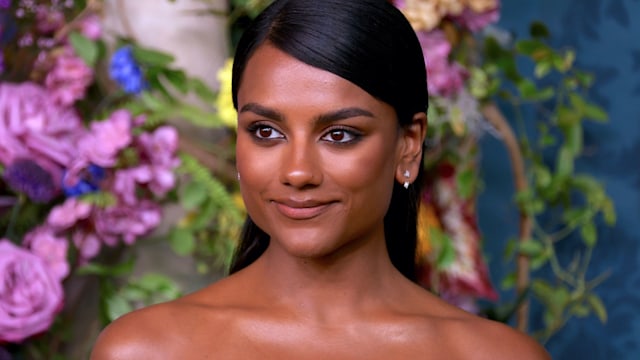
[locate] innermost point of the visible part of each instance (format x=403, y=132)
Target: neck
x=346, y=282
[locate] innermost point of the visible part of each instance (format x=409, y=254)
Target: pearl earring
x=407, y=175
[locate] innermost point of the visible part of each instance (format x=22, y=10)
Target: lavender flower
x=126, y=72
x=26, y=176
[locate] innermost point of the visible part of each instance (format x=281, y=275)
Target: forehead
x=272, y=77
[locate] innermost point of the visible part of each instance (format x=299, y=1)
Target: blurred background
x=550, y=248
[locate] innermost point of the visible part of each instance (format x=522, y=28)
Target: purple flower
x=444, y=78
x=4, y=4
x=106, y=138
x=43, y=242
x=26, y=176
x=68, y=213
x=48, y=21
x=475, y=21
x=87, y=243
x=30, y=296
x=33, y=126
x=91, y=27
x=127, y=222
x=69, y=79
x=126, y=72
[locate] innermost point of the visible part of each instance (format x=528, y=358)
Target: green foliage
x=576, y=201
x=210, y=229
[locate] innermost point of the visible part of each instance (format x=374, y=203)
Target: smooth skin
x=318, y=157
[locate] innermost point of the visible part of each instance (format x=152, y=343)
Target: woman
x=331, y=99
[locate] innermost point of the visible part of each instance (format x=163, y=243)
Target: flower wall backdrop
x=91, y=155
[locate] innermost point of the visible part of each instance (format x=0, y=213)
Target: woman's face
x=316, y=154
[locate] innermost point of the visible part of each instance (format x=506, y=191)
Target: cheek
x=253, y=164
x=370, y=170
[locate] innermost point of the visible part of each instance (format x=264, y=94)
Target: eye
x=265, y=132
x=340, y=136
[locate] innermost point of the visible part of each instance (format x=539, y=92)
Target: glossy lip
x=301, y=210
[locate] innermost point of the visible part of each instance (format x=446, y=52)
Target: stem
x=497, y=119
x=14, y=216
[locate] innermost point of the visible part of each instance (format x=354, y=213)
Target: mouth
x=301, y=210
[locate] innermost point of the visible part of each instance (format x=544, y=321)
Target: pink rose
x=33, y=126
x=30, y=296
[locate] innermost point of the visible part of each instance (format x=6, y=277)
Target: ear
x=411, y=140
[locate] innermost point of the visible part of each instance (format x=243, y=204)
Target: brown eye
x=340, y=136
x=266, y=132
x=337, y=135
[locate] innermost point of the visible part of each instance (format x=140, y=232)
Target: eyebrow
x=340, y=114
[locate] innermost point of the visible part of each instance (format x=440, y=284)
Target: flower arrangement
x=87, y=161
x=472, y=66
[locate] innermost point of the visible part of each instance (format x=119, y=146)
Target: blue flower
x=125, y=71
x=88, y=183
x=26, y=176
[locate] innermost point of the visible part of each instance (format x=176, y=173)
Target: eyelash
x=352, y=135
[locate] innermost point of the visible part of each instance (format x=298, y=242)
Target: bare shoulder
x=450, y=332
x=485, y=339
x=161, y=331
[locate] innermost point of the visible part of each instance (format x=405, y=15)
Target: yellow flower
x=224, y=101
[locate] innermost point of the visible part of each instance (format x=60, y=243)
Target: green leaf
x=574, y=140
x=542, y=69
x=595, y=113
x=539, y=260
x=152, y=58
x=580, y=310
x=585, y=79
x=152, y=102
x=193, y=195
x=178, y=79
x=123, y=268
x=609, y=212
x=567, y=117
x=202, y=90
x=466, y=181
x=598, y=307
x=530, y=46
x=589, y=234
x=578, y=103
x=85, y=48
x=565, y=162
x=117, y=306
x=538, y=29
x=542, y=175
x=530, y=247
x=182, y=241
x=509, y=281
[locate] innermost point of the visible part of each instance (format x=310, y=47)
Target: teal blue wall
x=606, y=35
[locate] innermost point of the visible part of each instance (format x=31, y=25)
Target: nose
x=300, y=165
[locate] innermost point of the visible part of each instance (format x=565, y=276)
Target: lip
x=301, y=210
